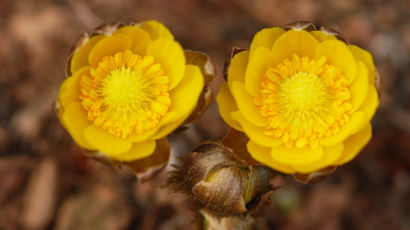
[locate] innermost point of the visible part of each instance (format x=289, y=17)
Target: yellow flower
x=127, y=88
x=303, y=97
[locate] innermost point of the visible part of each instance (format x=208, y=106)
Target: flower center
x=302, y=92
x=125, y=94
x=304, y=100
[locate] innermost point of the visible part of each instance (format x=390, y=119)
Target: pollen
x=125, y=94
x=303, y=100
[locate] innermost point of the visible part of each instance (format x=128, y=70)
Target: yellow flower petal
x=147, y=134
x=166, y=120
x=108, y=46
x=227, y=105
x=185, y=95
x=157, y=30
x=365, y=57
x=246, y=104
x=296, y=156
x=67, y=92
x=355, y=143
x=168, y=128
x=337, y=53
x=75, y=119
x=261, y=60
x=80, y=57
x=147, y=167
x=237, y=68
x=184, y=98
x=321, y=36
x=359, y=86
x=330, y=155
x=171, y=57
x=293, y=42
x=255, y=133
x=105, y=142
x=266, y=38
x=263, y=155
x=137, y=151
x=70, y=88
x=371, y=103
x=139, y=37
x=355, y=123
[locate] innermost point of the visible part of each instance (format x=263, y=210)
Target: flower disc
x=125, y=94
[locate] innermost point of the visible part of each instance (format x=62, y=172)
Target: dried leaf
x=103, y=207
x=41, y=197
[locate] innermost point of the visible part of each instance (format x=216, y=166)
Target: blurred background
x=46, y=182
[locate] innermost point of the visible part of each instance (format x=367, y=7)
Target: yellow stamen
x=303, y=100
x=125, y=94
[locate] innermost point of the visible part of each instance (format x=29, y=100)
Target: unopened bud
x=221, y=183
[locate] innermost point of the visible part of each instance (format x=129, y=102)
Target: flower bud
x=211, y=221
x=221, y=183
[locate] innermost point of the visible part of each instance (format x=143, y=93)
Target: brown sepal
x=104, y=29
x=180, y=129
x=208, y=146
x=236, y=141
x=260, y=188
x=379, y=84
x=56, y=107
x=204, y=63
x=314, y=177
x=308, y=26
x=235, y=50
x=101, y=157
x=81, y=41
x=107, y=28
x=212, y=221
x=204, y=101
x=150, y=166
x=335, y=33
x=300, y=25
x=264, y=199
x=145, y=168
x=207, y=68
